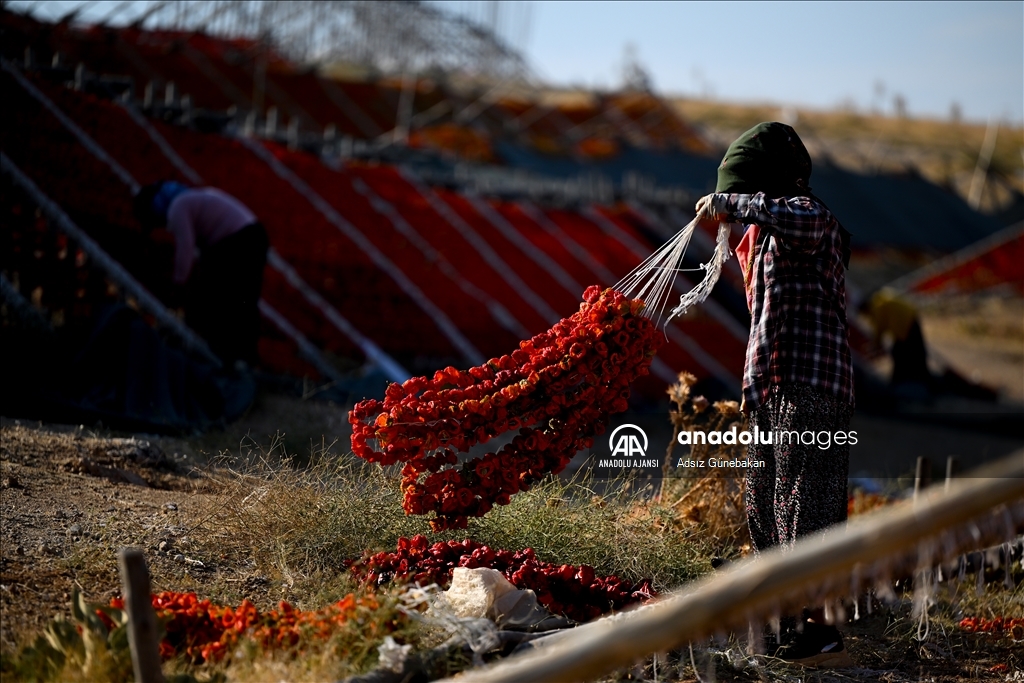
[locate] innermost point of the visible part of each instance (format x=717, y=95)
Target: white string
x=653, y=279
x=714, y=269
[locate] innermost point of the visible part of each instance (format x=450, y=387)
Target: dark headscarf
x=152, y=202
x=771, y=158
x=768, y=158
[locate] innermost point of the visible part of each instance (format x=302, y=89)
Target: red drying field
x=323, y=255
x=326, y=258
x=389, y=185
x=468, y=314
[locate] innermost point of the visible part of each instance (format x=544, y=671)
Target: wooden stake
x=142, y=626
x=922, y=475
x=952, y=468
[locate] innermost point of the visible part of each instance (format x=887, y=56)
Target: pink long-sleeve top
x=199, y=218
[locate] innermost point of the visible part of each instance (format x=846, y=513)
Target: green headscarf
x=771, y=158
x=768, y=158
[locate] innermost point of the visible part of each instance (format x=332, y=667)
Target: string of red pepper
x=558, y=389
x=573, y=590
x=202, y=631
x=1008, y=626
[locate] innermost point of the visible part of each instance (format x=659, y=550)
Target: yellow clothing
x=890, y=314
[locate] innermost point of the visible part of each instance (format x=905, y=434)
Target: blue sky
x=818, y=54
x=806, y=53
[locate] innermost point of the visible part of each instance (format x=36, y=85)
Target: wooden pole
x=142, y=626
x=841, y=560
x=952, y=469
x=922, y=474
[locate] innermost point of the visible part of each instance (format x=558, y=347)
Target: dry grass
x=284, y=423
x=708, y=500
x=302, y=525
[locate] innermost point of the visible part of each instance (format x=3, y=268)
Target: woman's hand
x=706, y=209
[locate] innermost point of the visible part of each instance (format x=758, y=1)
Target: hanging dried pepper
x=557, y=389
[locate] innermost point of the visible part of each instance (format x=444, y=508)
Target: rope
x=675, y=335
x=713, y=271
x=659, y=368
x=653, y=280
x=712, y=307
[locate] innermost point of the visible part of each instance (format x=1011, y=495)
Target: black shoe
x=775, y=641
x=817, y=645
x=719, y=562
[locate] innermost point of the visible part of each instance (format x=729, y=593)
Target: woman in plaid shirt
x=798, y=376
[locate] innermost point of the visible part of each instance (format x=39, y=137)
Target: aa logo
x=625, y=441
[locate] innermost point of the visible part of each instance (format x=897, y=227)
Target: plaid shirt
x=798, y=330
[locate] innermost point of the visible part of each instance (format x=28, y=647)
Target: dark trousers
x=224, y=292
x=802, y=487
x=910, y=357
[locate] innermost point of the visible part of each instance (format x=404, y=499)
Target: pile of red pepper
x=202, y=631
x=1009, y=626
x=558, y=389
x=575, y=591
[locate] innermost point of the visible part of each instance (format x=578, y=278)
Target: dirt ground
x=980, y=337
x=70, y=499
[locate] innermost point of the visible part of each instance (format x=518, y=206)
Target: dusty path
x=70, y=497
x=982, y=338
x=69, y=500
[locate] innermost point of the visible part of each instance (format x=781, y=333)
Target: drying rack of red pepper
x=558, y=390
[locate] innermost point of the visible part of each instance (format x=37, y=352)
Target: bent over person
x=893, y=316
x=220, y=251
x=797, y=375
